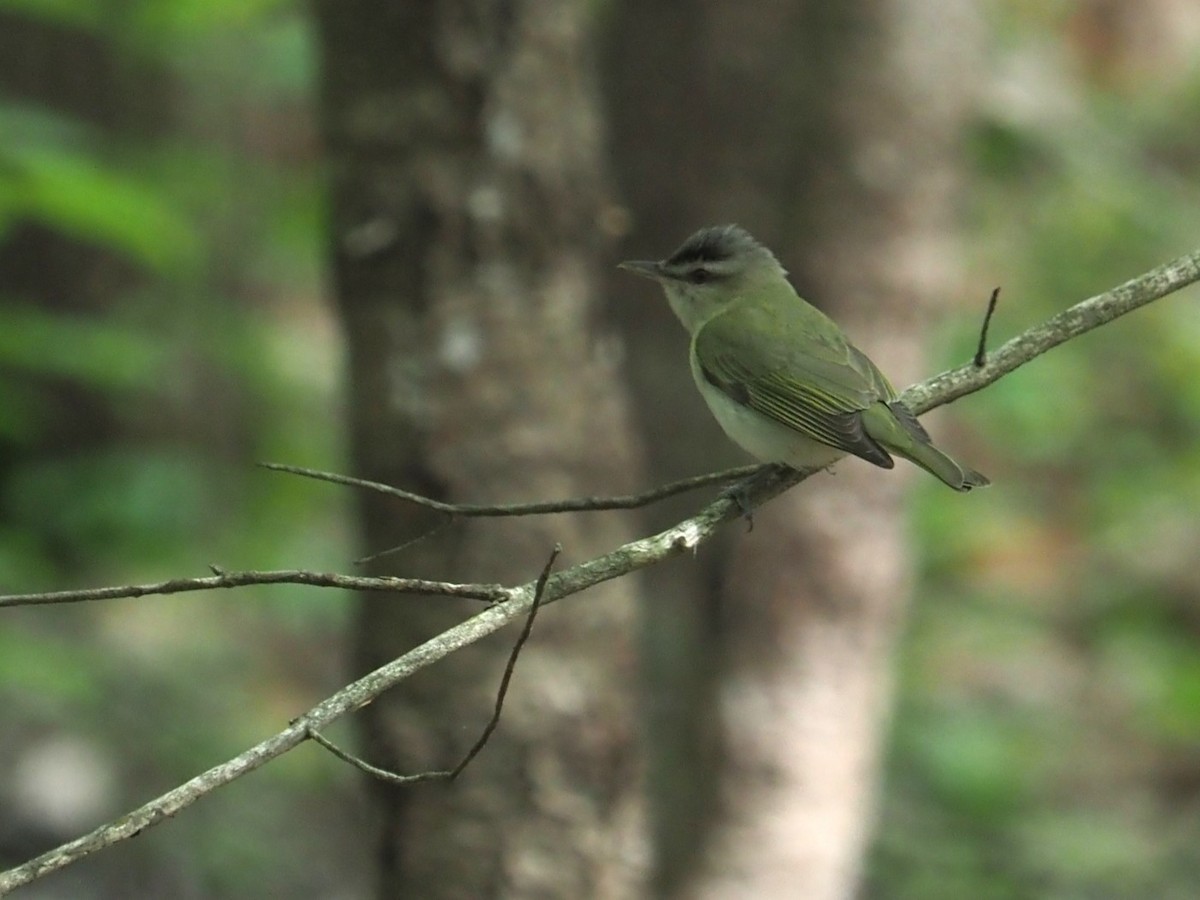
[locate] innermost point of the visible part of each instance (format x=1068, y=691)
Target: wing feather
x=791, y=364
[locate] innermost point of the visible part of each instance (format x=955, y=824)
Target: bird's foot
x=741, y=492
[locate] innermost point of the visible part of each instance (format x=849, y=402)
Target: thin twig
x=981, y=351
x=502, y=692
x=575, y=504
x=539, y=591
x=492, y=593
x=400, y=548
x=362, y=765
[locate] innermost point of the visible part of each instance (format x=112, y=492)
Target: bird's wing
x=882, y=387
x=790, y=364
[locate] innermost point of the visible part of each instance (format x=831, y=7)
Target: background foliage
x=130, y=418
x=1047, y=735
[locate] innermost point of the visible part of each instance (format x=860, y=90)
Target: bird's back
x=773, y=331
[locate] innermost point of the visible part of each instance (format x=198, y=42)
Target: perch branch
x=1070, y=323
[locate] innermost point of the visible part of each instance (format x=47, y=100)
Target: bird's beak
x=645, y=268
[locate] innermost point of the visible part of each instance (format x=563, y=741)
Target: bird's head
x=712, y=268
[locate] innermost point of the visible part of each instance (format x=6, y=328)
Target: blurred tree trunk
x=831, y=131
x=468, y=199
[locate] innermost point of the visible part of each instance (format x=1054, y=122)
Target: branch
x=542, y=507
x=1068, y=324
x=768, y=482
x=631, y=556
x=493, y=593
x=539, y=592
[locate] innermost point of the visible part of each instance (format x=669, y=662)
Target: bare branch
x=348, y=699
x=687, y=535
x=493, y=721
x=493, y=593
x=576, y=504
x=1068, y=324
x=635, y=555
x=412, y=542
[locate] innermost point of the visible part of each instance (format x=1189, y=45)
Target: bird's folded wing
x=819, y=389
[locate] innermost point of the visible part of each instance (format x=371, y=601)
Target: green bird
x=779, y=375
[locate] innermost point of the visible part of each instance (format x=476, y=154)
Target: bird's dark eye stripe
x=700, y=276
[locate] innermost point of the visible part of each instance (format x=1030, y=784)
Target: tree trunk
x=468, y=201
x=830, y=131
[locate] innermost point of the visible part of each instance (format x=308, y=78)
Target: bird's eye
x=700, y=276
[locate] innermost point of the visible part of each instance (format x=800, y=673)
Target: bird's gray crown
x=718, y=244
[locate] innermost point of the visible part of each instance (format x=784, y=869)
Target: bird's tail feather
x=901, y=433
x=941, y=466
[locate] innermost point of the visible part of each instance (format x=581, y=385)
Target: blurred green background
x=1046, y=741
x=163, y=327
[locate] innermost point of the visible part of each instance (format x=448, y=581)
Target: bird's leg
x=741, y=491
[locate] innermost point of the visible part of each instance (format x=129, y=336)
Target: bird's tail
x=941, y=466
x=902, y=434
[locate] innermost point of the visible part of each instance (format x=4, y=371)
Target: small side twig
x=539, y=591
x=493, y=722
x=981, y=352
x=400, y=548
x=575, y=504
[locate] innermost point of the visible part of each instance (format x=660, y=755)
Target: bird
x=780, y=377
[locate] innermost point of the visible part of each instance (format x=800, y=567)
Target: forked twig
x=502, y=692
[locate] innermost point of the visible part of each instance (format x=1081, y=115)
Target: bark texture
x=468, y=212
